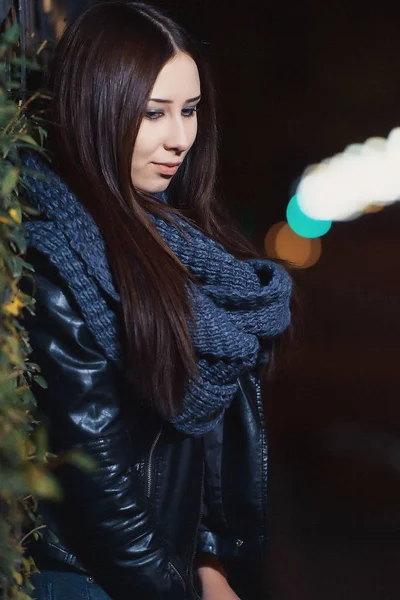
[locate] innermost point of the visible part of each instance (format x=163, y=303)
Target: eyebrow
x=171, y=101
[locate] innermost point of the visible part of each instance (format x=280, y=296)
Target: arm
x=110, y=523
x=213, y=579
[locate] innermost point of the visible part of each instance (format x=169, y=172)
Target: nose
x=178, y=138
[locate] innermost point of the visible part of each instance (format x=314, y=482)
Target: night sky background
x=296, y=83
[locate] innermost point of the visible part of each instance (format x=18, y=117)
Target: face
x=169, y=127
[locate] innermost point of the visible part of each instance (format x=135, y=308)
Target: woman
x=153, y=320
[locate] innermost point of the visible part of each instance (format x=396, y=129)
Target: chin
x=160, y=186
x=153, y=186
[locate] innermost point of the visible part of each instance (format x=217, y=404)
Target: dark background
x=296, y=83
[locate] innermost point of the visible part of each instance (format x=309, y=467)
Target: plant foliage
x=24, y=474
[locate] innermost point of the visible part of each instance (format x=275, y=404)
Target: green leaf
x=17, y=577
x=11, y=36
x=80, y=459
x=17, y=239
x=14, y=263
x=10, y=181
x=7, y=110
x=30, y=210
x=14, y=85
x=32, y=366
x=45, y=485
x=6, y=144
x=23, y=62
x=28, y=139
x=27, y=266
x=28, y=398
x=42, y=134
x=40, y=443
x=53, y=536
x=40, y=381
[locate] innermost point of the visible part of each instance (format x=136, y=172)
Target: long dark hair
x=102, y=75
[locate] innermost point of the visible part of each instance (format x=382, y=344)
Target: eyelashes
x=153, y=115
x=190, y=112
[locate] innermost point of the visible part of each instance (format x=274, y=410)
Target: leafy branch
x=24, y=473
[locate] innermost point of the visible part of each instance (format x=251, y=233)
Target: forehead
x=178, y=79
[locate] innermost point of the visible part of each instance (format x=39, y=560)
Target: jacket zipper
x=197, y=525
x=264, y=458
x=258, y=391
x=179, y=575
x=149, y=490
x=150, y=463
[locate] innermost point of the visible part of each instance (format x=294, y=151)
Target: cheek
x=141, y=151
x=193, y=133
x=145, y=146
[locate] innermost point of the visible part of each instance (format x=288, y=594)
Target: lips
x=167, y=168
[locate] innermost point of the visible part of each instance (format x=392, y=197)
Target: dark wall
x=297, y=82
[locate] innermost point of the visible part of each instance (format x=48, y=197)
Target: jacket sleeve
x=111, y=525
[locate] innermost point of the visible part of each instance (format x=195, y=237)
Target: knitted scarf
x=238, y=305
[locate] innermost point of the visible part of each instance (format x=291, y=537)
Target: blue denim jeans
x=56, y=585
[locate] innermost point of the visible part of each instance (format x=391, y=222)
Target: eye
x=153, y=114
x=190, y=112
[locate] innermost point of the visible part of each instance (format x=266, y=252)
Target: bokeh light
x=374, y=208
x=283, y=243
x=302, y=224
x=56, y=11
x=346, y=185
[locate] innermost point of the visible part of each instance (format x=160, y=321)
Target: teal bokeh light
x=303, y=225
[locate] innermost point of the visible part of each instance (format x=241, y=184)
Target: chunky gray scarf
x=239, y=305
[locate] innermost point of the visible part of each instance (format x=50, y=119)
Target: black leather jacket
x=156, y=496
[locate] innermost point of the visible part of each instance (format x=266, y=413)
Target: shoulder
x=56, y=310
x=45, y=280
x=72, y=306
